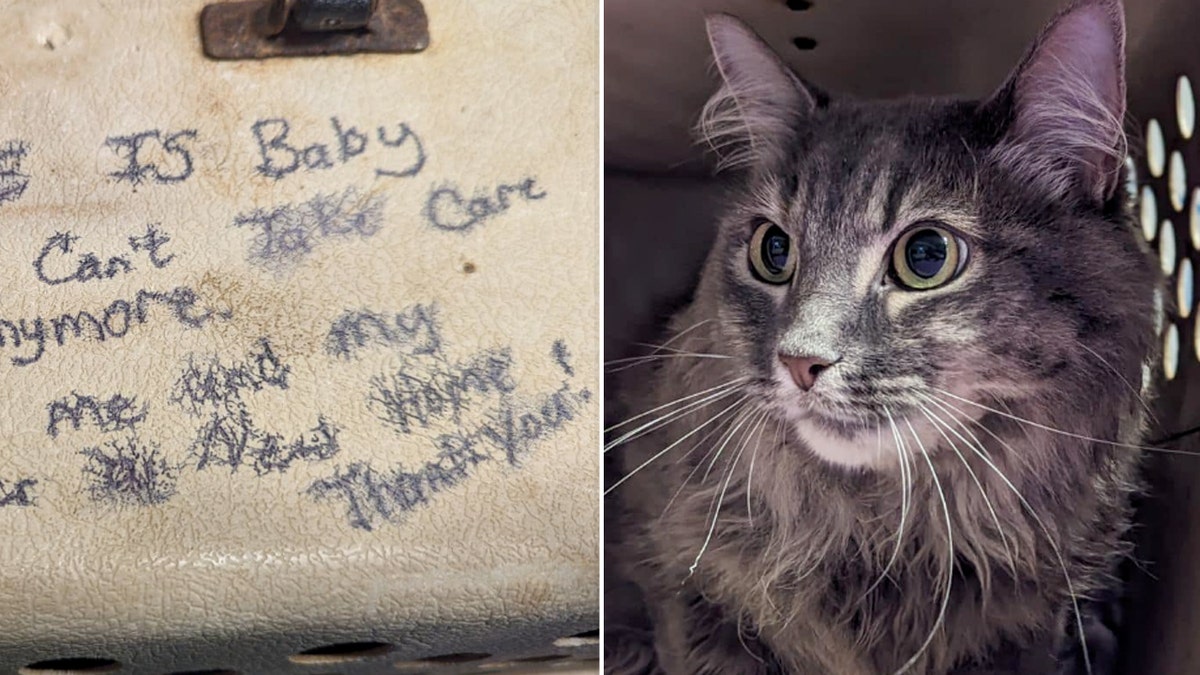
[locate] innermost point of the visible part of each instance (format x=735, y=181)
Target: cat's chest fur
x=804, y=555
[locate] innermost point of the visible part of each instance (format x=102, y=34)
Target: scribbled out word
x=421, y=393
x=56, y=265
x=111, y=323
x=286, y=234
x=415, y=328
x=17, y=493
x=129, y=472
x=208, y=383
x=447, y=208
x=115, y=413
x=281, y=158
x=13, y=179
x=231, y=438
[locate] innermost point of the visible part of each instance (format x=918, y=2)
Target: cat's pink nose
x=805, y=369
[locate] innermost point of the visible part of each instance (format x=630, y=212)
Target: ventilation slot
x=344, y=652
x=71, y=666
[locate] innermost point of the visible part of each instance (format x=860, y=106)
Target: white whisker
x=728, y=438
x=635, y=361
x=685, y=331
x=673, y=350
x=905, y=484
x=950, y=547
x=672, y=445
x=669, y=417
x=1128, y=385
x=668, y=404
x=1060, y=432
x=1012, y=561
x=946, y=406
x=728, y=422
x=712, y=527
x=750, y=475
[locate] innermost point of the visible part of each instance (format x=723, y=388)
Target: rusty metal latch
x=259, y=29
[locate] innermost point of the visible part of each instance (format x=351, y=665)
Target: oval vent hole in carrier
x=342, y=652
x=71, y=666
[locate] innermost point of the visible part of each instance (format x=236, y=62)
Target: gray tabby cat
x=897, y=428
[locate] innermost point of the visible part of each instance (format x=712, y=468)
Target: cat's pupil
x=775, y=250
x=926, y=253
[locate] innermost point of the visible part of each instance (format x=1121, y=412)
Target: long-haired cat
x=897, y=428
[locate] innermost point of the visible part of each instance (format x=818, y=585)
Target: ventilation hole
x=71, y=666
x=464, y=657
x=1185, y=291
x=1156, y=149
x=1149, y=214
x=1185, y=107
x=543, y=659
x=1177, y=182
x=799, y=5
x=588, y=638
x=1194, y=220
x=1166, y=247
x=1196, y=337
x=343, y=652
x=576, y=643
x=1131, y=179
x=804, y=43
x=1160, y=318
x=1171, y=353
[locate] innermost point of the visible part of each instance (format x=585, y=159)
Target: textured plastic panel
x=298, y=356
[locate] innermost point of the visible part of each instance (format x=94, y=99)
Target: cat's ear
x=750, y=119
x=1065, y=103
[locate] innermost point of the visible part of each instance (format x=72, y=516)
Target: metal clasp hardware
x=259, y=29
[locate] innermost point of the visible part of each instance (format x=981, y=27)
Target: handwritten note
x=472, y=404
x=294, y=321
x=332, y=298
x=448, y=209
x=17, y=492
x=114, y=413
x=171, y=151
x=282, y=157
x=285, y=234
x=13, y=178
x=428, y=391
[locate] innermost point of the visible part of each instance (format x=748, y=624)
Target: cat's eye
x=927, y=256
x=772, y=256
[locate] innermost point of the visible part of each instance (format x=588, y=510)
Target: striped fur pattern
x=953, y=494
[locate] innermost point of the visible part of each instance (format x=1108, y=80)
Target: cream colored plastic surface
x=300, y=352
